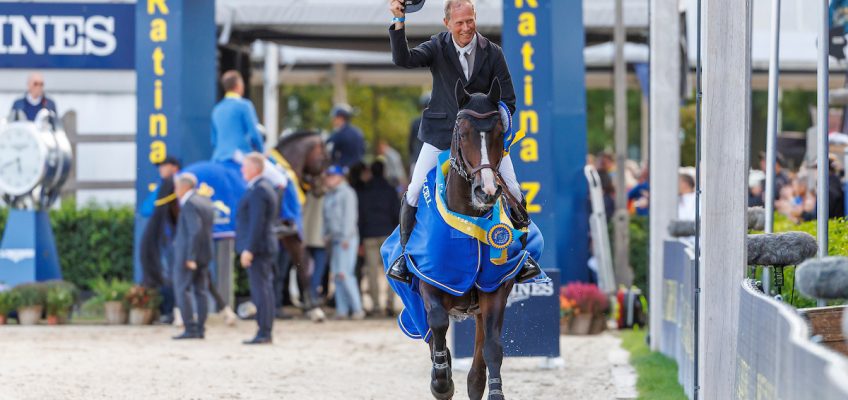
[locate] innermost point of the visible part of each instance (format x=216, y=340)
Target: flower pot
x=29, y=315
x=599, y=324
x=53, y=320
x=141, y=316
x=115, y=313
x=564, y=325
x=581, y=324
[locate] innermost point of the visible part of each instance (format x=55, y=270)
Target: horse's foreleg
x=492, y=306
x=477, y=373
x=295, y=248
x=441, y=383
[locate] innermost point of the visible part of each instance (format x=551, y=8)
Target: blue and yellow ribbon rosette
x=494, y=230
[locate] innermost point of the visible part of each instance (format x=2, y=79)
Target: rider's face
x=462, y=23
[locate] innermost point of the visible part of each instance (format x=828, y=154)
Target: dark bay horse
x=304, y=157
x=471, y=189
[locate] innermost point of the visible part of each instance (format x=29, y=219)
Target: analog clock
x=22, y=158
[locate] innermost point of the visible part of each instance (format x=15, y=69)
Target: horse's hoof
x=317, y=315
x=496, y=395
x=445, y=395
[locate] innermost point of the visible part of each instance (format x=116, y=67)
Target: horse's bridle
x=457, y=161
x=467, y=171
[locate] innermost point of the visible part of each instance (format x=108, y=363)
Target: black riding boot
x=398, y=271
x=520, y=220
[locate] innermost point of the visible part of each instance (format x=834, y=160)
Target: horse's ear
x=495, y=91
x=462, y=96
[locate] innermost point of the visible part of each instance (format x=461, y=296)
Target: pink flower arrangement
x=585, y=298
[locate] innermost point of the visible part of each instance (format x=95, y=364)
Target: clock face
x=21, y=159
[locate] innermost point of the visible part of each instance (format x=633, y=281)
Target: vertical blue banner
x=175, y=75
x=543, y=43
x=175, y=69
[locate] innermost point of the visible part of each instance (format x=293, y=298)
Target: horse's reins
x=463, y=169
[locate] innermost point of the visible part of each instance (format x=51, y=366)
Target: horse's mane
x=295, y=137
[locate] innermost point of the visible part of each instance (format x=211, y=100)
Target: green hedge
x=837, y=245
x=92, y=242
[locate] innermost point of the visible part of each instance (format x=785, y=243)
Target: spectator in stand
x=755, y=188
x=347, y=144
x=415, y=143
x=379, y=208
x=342, y=236
x=313, y=232
x=686, y=203
x=836, y=193
x=391, y=159
x=34, y=100
x=639, y=195
x=605, y=166
x=781, y=178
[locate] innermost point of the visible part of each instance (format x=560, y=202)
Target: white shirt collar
x=185, y=197
x=469, y=48
x=34, y=101
x=253, y=181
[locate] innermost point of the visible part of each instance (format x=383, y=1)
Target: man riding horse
x=460, y=54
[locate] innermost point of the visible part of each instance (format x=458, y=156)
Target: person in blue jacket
x=34, y=100
x=235, y=126
x=347, y=144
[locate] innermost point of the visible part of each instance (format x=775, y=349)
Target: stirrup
x=398, y=271
x=529, y=270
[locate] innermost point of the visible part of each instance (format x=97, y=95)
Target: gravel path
x=335, y=360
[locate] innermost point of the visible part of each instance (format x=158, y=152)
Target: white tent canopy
x=371, y=18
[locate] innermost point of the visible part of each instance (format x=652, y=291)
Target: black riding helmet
x=411, y=6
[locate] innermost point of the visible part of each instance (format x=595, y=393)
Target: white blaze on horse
x=466, y=250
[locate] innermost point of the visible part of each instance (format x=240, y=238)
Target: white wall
x=105, y=103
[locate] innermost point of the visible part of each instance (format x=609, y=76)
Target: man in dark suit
x=256, y=243
x=459, y=54
x=192, y=254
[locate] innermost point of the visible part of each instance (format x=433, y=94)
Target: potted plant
x=143, y=302
x=113, y=295
x=590, y=306
x=567, y=308
x=60, y=298
x=29, y=301
x=7, y=305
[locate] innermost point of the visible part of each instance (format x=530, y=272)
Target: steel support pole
x=664, y=145
x=270, y=94
x=771, y=132
x=623, y=274
x=822, y=125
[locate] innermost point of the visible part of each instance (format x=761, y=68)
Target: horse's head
x=305, y=151
x=478, y=143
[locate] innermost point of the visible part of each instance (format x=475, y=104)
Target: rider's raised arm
x=501, y=71
x=403, y=56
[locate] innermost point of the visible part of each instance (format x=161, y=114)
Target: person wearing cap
x=157, y=236
x=461, y=54
x=235, y=126
x=342, y=236
x=34, y=100
x=347, y=144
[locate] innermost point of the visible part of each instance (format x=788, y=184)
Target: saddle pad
x=448, y=260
